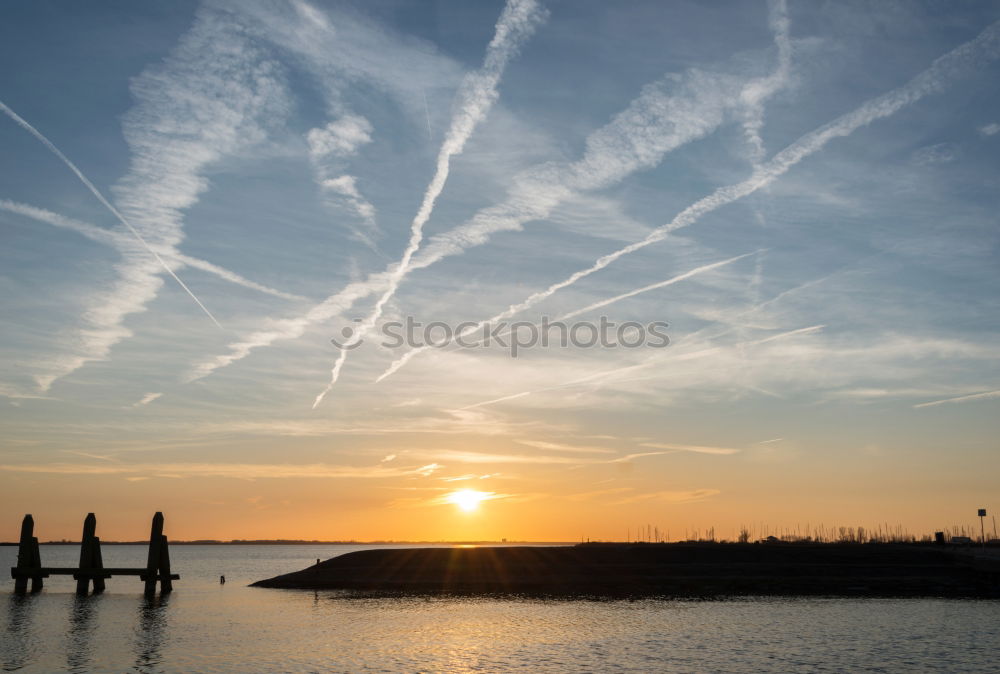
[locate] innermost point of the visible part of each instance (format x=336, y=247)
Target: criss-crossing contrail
x=121, y=242
x=706, y=113
x=107, y=204
x=409, y=355
x=628, y=368
x=984, y=48
x=476, y=96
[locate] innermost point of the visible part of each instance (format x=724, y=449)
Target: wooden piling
x=153, y=558
x=86, y=554
x=24, y=553
x=98, y=562
x=91, y=568
x=166, y=580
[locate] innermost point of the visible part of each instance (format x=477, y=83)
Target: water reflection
x=151, y=632
x=19, y=644
x=79, y=637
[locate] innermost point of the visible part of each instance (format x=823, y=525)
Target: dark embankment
x=682, y=570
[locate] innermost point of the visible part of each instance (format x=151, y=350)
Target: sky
x=213, y=214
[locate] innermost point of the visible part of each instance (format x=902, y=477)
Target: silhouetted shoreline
x=678, y=570
x=281, y=541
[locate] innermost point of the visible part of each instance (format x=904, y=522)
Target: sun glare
x=468, y=499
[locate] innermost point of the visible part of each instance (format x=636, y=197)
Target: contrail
x=406, y=357
x=983, y=48
x=960, y=399
x=662, y=284
x=607, y=373
x=100, y=197
x=626, y=144
x=121, y=243
x=476, y=96
x=759, y=90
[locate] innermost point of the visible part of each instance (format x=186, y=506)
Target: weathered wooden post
x=28, y=558
x=86, y=539
x=153, y=559
x=98, y=562
x=166, y=580
x=29, y=561
x=91, y=563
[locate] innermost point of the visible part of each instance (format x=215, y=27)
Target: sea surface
x=208, y=627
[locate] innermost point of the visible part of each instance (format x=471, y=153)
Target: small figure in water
x=317, y=561
x=222, y=580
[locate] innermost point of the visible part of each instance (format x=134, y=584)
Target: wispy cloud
x=690, y=496
x=100, y=197
x=476, y=95
x=757, y=92
x=459, y=456
x=961, y=399
x=400, y=362
x=329, y=146
x=561, y=447
x=214, y=95
x=240, y=471
x=697, y=449
x=618, y=373
x=146, y=399
x=666, y=115
x=932, y=80
x=125, y=244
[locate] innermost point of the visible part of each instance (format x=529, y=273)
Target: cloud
x=559, y=447
x=476, y=96
x=594, y=378
x=240, y=471
x=340, y=138
x=666, y=115
x=690, y=496
x=459, y=456
x=941, y=153
x=932, y=80
x=146, y=399
x=346, y=186
x=400, y=362
x=215, y=95
x=100, y=197
x=329, y=146
x=986, y=395
x=697, y=449
x=990, y=129
x=759, y=90
x=655, y=286
x=126, y=244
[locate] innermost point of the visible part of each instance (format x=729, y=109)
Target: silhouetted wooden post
x=153, y=559
x=36, y=563
x=98, y=561
x=28, y=557
x=166, y=582
x=91, y=568
x=86, y=554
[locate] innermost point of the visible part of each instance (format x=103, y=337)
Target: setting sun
x=468, y=499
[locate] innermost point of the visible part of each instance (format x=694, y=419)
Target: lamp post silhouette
x=982, y=528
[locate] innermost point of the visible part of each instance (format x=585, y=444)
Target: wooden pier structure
x=91, y=568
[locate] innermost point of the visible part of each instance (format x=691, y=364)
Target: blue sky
x=305, y=167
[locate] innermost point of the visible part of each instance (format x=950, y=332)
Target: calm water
x=206, y=627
